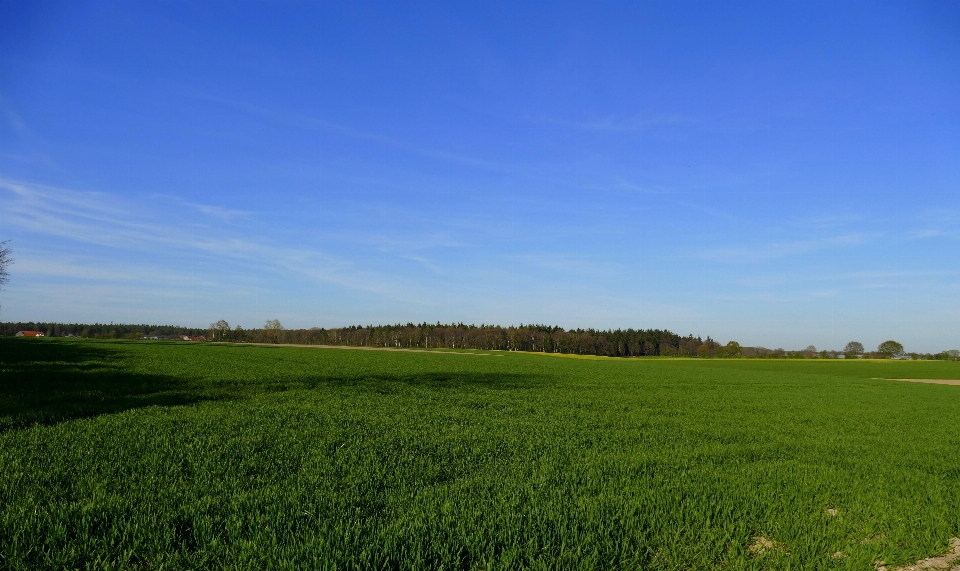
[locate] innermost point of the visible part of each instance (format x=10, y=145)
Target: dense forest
x=538, y=338
x=535, y=338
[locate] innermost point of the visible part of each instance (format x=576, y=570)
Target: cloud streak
x=103, y=220
x=306, y=120
x=778, y=250
x=613, y=124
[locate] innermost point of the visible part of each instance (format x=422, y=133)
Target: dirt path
x=947, y=562
x=932, y=381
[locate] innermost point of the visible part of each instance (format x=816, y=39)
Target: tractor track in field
x=950, y=561
x=931, y=381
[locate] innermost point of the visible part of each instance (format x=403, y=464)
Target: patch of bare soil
x=948, y=562
x=932, y=381
x=762, y=545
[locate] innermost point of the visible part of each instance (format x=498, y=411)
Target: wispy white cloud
x=35, y=263
x=826, y=221
x=16, y=124
x=614, y=124
x=29, y=158
x=912, y=274
x=221, y=213
x=427, y=263
x=105, y=220
x=780, y=296
x=938, y=224
x=794, y=286
x=569, y=264
x=310, y=121
x=404, y=245
x=626, y=185
x=776, y=250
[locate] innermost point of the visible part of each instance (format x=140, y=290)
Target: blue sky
x=781, y=174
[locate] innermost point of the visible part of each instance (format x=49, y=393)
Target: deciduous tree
x=667, y=350
x=734, y=349
x=890, y=348
x=219, y=330
x=853, y=349
x=273, y=328
x=5, y=261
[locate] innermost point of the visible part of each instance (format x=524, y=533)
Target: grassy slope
x=162, y=455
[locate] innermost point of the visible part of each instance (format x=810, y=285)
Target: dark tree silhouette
x=5, y=261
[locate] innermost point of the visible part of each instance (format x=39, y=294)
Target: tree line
x=532, y=338
x=101, y=330
x=889, y=349
x=535, y=338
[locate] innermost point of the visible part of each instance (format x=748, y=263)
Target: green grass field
x=153, y=455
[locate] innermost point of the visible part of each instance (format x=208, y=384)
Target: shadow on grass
x=43, y=382
x=440, y=381
x=380, y=381
x=46, y=381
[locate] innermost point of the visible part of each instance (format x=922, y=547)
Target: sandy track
x=950, y=561
x=932, y=381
